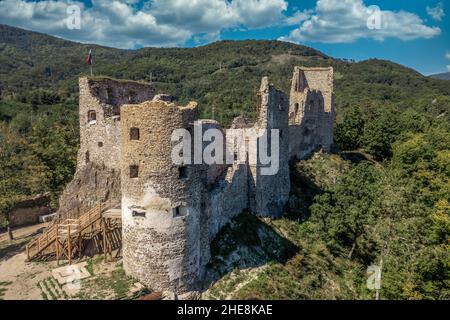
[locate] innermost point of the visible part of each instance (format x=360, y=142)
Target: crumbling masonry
x=171, y=213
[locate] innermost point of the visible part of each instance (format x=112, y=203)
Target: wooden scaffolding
x=66, y=240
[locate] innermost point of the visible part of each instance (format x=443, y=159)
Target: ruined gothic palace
x=171, y=213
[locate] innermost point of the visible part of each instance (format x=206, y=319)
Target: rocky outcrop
x=91, y=185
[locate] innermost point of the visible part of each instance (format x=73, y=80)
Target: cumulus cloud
x=113, y=23
x=127, y=24
x=437, y=13
x=447, y=55
x=298, y=17
x=344, y=21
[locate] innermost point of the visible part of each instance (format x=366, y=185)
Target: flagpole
x=89, y=61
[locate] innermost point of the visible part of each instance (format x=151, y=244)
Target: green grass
x=114, y=285
x=47, y=287
x=44, y=296
x=3, y=288
x=91, y=263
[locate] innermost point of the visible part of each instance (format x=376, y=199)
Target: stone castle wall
x=100, y=138
x=311, y=111
x=28, y=211
x=170, y=212
x=97, y=176
x=271, y=192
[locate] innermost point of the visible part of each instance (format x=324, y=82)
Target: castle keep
x=171, y=212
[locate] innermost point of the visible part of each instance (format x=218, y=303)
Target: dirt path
x=22, y=278
x=24, y=232
x=19, y=279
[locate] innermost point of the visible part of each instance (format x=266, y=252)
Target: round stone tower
x=161, y=201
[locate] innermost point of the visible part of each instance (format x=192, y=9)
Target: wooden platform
x=66, y=239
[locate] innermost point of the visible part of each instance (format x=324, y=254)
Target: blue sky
x=414, y=33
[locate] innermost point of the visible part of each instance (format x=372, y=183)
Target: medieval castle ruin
x=171, y=213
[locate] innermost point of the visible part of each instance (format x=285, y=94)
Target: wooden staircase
x=65, y=239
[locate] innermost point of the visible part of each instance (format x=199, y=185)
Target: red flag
x=89, y=58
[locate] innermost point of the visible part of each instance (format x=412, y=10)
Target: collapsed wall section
x=269, y=183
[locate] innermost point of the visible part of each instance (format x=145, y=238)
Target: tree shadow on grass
x=10, y=249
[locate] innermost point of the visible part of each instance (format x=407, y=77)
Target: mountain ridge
x=222, y=76
x=441, y=76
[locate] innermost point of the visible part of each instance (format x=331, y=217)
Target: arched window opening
x=92, y=117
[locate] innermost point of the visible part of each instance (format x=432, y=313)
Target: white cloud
x=437, y=13
x=298, y=17
x=448, y=68
x=214, y=15
x=259, y=13
x=447, y=55
x=120, y=23
x=112, y=23
x=344, y=21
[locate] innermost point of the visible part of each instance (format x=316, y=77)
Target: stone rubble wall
x=28, y=211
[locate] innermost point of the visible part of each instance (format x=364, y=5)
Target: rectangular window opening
x=182, y=172
x=134, y=171
x=134, y=134
x=138, y=214
x=179, y=211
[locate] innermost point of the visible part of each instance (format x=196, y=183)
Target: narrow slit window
x=134, y=134
x=134, y=171
x=132, y=97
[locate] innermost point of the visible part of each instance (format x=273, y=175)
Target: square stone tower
x=311, y=111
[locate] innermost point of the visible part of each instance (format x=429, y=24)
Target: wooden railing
x=67, y=230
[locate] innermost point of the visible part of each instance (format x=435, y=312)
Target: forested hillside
x=384, y=195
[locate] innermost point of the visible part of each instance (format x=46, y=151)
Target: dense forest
x=382, y=198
